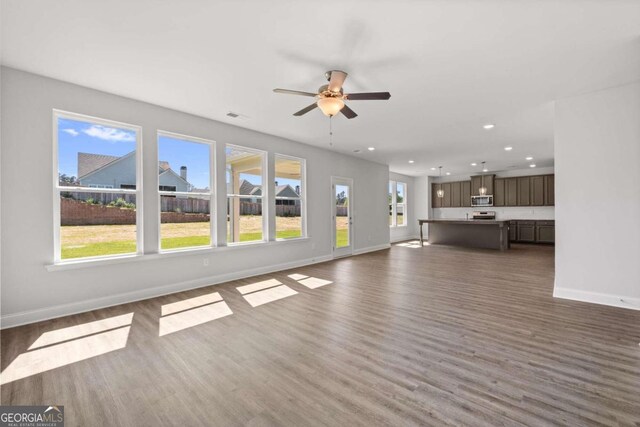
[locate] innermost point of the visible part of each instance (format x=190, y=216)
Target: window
x=401, y=204
x=392, y=214
x=246, y=212
x=290, y=197
x=397, y=204
x=185, y=183
x=95, y=209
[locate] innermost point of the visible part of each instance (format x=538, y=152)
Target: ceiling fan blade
x=337, y=80
x=367, y=96
x=305, y=110
x=294, y=92
x=348, y=112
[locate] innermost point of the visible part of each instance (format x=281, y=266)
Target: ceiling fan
x=331, y=96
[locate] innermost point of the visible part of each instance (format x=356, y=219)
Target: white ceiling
x=451, y=66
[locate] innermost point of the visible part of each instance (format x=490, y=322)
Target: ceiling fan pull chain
x=330, y=132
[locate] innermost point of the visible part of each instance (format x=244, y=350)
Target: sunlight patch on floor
x=413, y=244
x=269, y=295
x=314, y=282
x=190, y=303
x=193, y=317
x=84, y=329
x=70, y=345
x=297, y=276
x=258, y=286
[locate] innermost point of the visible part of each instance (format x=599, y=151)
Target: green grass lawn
x=342, y=237
x=129, y=246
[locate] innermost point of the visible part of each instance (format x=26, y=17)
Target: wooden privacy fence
x=342, y=210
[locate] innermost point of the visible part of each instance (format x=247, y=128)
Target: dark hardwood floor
x=407, y=336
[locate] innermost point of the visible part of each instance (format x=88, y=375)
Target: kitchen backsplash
x=533, y=212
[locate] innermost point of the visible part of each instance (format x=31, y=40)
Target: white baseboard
x=26, y=317
x=597, y=298
x=371, y=249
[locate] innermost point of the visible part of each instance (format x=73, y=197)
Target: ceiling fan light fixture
x=330, y=106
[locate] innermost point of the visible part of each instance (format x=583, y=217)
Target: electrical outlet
x=205, y=261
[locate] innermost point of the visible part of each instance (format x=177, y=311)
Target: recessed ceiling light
x=474, y=164
x=529, y=158
x=371, y=148
x=411, y=161
x=489, y=126
x=448, y=173
x=532, y=165
x=508, y=148
x=433, y=169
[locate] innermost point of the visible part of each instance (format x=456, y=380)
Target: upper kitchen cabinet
x=511, y=191
x=498, y=192
x=537, y=191
x=446, y=200
x=549, y=190
x=524, y=191
x=480, y=180
x=456, y=194
x=466, y=194
x=436, y=201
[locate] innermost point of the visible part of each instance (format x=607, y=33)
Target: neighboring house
x=249, y=189
x=100, y=171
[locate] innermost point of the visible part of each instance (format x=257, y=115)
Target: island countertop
x=464, y=221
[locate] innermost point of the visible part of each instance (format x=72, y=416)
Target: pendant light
x=483, y=190
x=440, y=192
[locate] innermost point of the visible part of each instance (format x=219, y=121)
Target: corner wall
x=597, y=155
x=410, y=231
x=31, y=293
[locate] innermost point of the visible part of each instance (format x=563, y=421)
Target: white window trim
x=211, y=194
x=57, y=189
x=394, y=203
x=302, y=198
x=404, y=204
x=263, y=196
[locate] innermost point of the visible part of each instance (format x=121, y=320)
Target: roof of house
x=249, y=189
x=89, y=162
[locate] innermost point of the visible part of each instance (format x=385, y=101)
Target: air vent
x=232, y=114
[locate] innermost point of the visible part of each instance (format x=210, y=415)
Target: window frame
x=404, y=203
x=213, y=211
x=264, y=196
x=302, y=198
x=392, y=203
x=57, y=189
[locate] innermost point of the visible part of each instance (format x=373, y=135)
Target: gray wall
x=597, y=156
x=30, y=292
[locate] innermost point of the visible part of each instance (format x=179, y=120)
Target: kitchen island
x=477, y=233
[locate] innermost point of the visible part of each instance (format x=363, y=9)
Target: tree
x=67, y=180
x=342, y=199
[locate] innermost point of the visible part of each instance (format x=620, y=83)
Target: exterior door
x=342, y=192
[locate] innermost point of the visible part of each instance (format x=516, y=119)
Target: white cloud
x=109, y=134
x=71, y=132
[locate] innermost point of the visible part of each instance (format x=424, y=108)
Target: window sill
x=99, y=262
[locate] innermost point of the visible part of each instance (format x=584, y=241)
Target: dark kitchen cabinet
x=511, y=192
x=436, y=202
x=498, y=192
x=480, y=180
x=527, y=231
x=537, y=191
x=549, y=190
x=456, y=194
x=446, y=200
x=545, y=232
x=524, y=191
x=465, y=187
x=513, y=231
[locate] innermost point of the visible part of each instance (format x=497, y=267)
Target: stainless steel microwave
x=486, y=200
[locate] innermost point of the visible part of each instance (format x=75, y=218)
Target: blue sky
x=77, y=136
